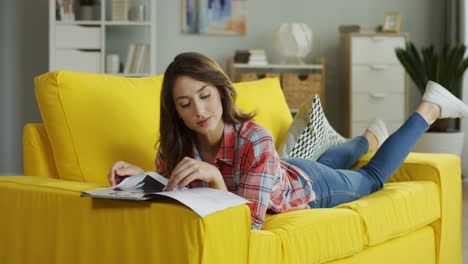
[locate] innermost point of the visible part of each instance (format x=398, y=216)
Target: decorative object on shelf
x=392, y=21
x=120, y=10
x=137, y=13
x=214, y=17
x=293, y=40
x=445, y=66
x=358, y=29
x=86, y=9
x=65, y=10
x=112, y=63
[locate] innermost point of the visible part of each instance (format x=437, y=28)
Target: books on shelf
x=251, y=56
x=137, y=58
x=119, y=10
x=150, y=185
x=358, y=29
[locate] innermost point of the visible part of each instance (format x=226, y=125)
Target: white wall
x=24, y=40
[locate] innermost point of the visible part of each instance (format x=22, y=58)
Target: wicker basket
x=297, y=88
x=253, y=76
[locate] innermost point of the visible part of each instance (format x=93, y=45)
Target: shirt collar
x=226, y=149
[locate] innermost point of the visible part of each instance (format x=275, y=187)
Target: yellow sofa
x=91, y=120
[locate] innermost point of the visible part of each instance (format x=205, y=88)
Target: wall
x=24, y=40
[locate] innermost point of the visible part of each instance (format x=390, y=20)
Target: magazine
x=150, y=185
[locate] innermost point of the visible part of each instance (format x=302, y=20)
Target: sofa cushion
x=397, y=209
x=266, y=97
x=308, y=236
x=94, y=120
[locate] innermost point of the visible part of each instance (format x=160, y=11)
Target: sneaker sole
x=461, y=107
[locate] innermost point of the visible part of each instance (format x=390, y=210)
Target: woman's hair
x=176, y=139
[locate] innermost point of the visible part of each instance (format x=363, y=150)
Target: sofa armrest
x=445, y=171
x=46, y=221
x=38, y=159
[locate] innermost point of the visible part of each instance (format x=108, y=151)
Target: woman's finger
x=183, y=164
x=188, y=179
x=177, y=178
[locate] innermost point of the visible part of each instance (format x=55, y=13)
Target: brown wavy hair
x=176, y=139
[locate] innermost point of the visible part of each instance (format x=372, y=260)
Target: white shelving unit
x=82, y=45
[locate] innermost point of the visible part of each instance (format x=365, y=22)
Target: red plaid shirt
x=251, y=168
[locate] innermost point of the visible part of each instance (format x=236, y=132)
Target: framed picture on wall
x=392, y=21
x=214, y=17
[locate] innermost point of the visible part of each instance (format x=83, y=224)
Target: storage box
x=253, y=76
x=298, y=87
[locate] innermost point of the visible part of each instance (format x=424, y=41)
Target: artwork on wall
x=214, y=17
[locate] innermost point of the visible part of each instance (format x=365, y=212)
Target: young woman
x=205, y=140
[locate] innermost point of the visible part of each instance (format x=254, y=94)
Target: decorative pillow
x=310, y=134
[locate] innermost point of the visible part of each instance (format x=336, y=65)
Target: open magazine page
x=205, y=201
x=202, y=201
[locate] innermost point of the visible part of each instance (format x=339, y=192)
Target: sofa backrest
x=93, y=120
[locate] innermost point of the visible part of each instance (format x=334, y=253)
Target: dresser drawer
x=77, y=37
x=76, y=60
x=368, y=106
x=378, y=78
x=375, y=49
x=358, y=128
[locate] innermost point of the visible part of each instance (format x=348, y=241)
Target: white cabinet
x=375, y=83
x=83, y=45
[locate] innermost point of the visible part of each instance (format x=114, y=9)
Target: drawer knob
x=378, y=95
x=378, y=67
x=378, y=39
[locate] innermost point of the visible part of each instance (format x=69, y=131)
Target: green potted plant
x=445, y=66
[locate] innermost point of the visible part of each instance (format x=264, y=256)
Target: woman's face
x=199, y=105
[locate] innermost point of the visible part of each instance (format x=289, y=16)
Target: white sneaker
x=450, y=105
x=379, y=129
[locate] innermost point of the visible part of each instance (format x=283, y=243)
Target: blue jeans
x=333, y=182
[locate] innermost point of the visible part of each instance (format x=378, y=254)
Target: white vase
x=441, y=142
x=293, y=40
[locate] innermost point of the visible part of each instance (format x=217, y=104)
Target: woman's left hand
x=190, y=169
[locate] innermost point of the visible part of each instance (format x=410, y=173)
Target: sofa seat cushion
x=307, y=236
x=397, y=209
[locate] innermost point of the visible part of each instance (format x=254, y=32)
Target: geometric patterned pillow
x=316, y=137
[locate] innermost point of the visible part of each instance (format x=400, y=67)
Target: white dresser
x=375, y=83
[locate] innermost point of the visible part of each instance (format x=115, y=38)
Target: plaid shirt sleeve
x=260, y=167
x=159, y=164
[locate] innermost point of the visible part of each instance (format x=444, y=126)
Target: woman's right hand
x=121, y=170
